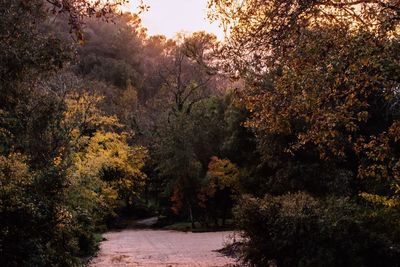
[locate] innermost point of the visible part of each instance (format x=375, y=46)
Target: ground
x=156, y=248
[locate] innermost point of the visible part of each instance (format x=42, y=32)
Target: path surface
x=156, y=248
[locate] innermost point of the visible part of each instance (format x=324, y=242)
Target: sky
x=167, y=17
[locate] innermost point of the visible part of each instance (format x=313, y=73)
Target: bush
x=35, y=225
x=298, y=230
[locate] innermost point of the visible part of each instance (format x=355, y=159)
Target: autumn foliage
x=322, y=83
x=288, y=130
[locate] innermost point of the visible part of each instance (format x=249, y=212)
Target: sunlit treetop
x=267, y=25
x=77, y=10
x=171, y=17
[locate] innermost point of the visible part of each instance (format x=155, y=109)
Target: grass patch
x=179, y=226
x=98, y=237
x=187, y=226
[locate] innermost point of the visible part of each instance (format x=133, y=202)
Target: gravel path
x=156, y=248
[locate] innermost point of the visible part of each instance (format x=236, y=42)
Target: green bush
x=35, y=229
x=299, y=230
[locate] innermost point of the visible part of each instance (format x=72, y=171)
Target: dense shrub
x=299, y=230
x=35, y=225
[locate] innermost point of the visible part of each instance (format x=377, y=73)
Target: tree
x=322, y=83
x=328, y=85
x=77, y=10
x=112, y=51
x=41, y=224
x=184, y=81
x=220, y=187
x=178, y=163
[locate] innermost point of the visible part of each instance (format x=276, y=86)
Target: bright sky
x=167, y=17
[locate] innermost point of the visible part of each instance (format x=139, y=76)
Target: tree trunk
x=191, y=216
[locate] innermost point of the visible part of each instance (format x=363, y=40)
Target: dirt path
x=156, y=248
